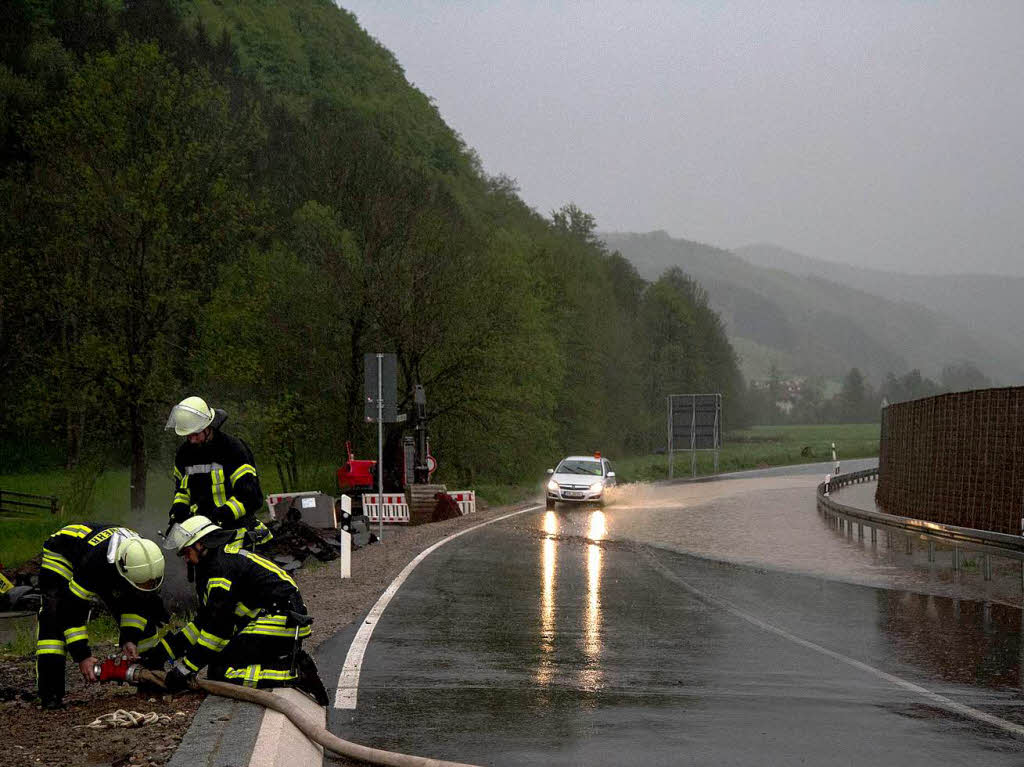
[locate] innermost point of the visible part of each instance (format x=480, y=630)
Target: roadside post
x=345, y=539
x=380, y=385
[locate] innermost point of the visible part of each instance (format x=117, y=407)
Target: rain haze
x=878, y=134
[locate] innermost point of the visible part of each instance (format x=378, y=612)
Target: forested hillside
x=239, y=199
x=807, y=325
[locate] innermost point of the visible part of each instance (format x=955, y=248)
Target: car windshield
x=579, y=467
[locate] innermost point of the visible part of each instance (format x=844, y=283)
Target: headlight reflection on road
x=592, y=676
x=546, y=667
x=551, y=523
x=598, y=528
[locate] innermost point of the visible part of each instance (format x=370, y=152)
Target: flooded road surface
x=590, y=636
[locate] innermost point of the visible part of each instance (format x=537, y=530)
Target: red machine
x=357, y=475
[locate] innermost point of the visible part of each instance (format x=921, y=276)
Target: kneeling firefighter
x=81, y=562
x=251, y=620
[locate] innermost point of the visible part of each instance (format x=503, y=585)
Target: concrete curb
x=222, y=734
x=280, y=743
x=230, y=733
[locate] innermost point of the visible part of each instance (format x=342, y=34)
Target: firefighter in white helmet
x=251, y=619
x=86, y=561
x=215, y=473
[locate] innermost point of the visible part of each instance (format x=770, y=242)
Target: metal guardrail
x=14, y=504
x=959, y=538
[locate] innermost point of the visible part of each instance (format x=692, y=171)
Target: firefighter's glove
x=223, y=516
x=177, y=514
x=178, y=678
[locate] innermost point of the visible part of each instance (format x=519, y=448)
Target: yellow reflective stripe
x=190, y=664
x=154, y=639
x=275, y=625
x=55, y=557
x=64, y=571
x=236, y=506
x=217, y=583
x=80, y=591
x=191, y=633
x=250, y=676
x=131, y=620
x=75, y=531
x=182, y=498
x=49, y=647
x=177, y=475
x=267, y=564
x=167, y=648
x=236, y=545
x=263, y=531
x=214, y=642
x=276, y=675
x=241, y=471
x=270, y=631
x=76, y=634
x=243, y=611
x=217, y=487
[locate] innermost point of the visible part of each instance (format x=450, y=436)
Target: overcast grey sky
x=885, y=134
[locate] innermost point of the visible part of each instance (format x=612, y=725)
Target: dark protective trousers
x=55, y=630
x=256, y=660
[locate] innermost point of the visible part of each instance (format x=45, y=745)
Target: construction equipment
x=408, y=464
x=112, y=670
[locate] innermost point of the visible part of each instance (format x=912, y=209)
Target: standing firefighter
x=215, y=473
x=80, y=563
x=251, y=619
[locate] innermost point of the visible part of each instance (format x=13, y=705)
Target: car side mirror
x=611, y=473
x=551, y=471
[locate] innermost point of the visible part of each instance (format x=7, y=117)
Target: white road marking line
x=939, y=700
x=348, y=680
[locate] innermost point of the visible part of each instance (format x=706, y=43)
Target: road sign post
x=380, y=384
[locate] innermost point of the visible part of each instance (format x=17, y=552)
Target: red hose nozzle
x=117, y=670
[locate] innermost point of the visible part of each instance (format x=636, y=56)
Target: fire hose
x=116, y=670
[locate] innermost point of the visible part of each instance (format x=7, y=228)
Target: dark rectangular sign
x=389, y=387
x=696, y=421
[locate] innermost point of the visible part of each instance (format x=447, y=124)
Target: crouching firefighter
x=82, y=562
x=251, y=619
x=215, y=473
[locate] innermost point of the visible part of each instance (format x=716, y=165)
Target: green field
x=761, y=447
x=107, y=498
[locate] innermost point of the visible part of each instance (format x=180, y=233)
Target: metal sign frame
x=380, y=373
x=698, y=403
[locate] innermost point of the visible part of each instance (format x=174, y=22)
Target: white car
x=579, y=479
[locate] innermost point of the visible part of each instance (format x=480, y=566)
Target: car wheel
x=549, y=504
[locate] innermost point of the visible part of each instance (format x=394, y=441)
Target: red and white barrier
x=466, y=500
x=396, y=509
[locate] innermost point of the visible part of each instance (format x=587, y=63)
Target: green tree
x=139, y=187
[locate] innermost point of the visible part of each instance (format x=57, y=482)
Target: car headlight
x=597, y=486
x=552, y=485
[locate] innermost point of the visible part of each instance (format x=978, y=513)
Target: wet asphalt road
x=543, y=640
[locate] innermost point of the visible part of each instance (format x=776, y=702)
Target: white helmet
x=190, y=416
x=186, y=533
x=141, y=563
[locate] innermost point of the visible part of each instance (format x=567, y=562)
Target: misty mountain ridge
x=815, y=318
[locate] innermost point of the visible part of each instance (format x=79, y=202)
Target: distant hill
x=811, y=321
x=987, y=304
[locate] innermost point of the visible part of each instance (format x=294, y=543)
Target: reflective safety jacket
x=83, y=555
x=218, y=480
x=240, y=593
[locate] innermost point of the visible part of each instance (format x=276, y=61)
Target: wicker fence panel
x=956, y=459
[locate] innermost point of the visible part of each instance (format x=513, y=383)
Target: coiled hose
x=312, y=730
